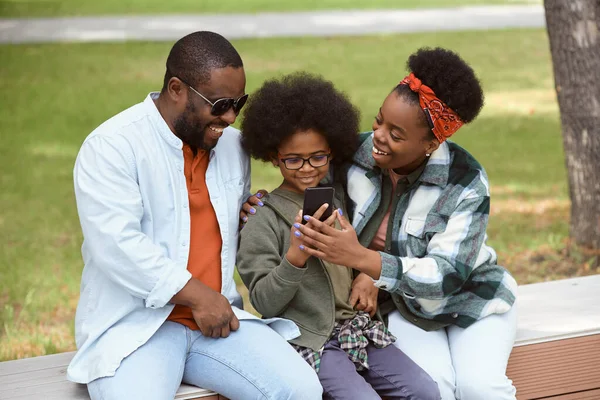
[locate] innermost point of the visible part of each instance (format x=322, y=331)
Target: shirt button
x=415, y=320
x=398, y=195
x=389, y=249
x=185, y=206
x=454, y=315
x=183, y=244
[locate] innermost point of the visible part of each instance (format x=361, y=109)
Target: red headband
x=445, y=121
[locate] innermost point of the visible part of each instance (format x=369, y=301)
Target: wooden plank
x=587, y=395
x=556, y=368
x=35, y=363
x=558, y=310
x=45, y=377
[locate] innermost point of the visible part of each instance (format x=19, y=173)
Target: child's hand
x=294, y=255
x=364, y=294
x=296, y=238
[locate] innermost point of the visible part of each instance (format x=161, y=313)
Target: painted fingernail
x=252, y=211
x=245, y=219
x=259, y=195
x=260, y=203
x=297, y=225
x=297, y=234
x=307, y=217
x=302, y=247
x=340, y=212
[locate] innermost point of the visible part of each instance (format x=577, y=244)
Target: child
x=302, y=124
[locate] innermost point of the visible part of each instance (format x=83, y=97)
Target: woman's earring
x=427, y=154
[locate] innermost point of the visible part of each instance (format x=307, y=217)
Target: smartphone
x=314, y=198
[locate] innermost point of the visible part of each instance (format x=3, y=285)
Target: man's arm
x=110, y=210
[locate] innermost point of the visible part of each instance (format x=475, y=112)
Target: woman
x=419, y=219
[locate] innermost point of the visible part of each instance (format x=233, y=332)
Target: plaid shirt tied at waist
x=354, y=335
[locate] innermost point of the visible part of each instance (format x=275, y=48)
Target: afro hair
x=295, y=103
x=452, y=80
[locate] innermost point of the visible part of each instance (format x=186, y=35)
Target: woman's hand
x=340, y=247
x=363, y=296
x=248, y=206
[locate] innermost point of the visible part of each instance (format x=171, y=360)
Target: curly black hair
x=452, y=80
x=299, y=102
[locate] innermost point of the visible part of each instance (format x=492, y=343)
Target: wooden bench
x=45, y=378
x=557, y=350
x=556, y=354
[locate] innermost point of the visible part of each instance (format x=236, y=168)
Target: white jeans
x=467, y=364
x=254, y=362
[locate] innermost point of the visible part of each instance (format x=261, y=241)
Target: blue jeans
x=254, y=362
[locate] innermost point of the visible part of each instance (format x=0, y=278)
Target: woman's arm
x=450, y=258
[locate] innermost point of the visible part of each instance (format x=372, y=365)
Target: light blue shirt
x=133, y=207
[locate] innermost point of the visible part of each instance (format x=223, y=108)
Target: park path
x=267, y=25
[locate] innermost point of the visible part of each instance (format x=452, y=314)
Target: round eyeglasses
x=317, y=161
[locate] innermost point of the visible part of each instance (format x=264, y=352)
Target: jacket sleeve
x=451, y=255
x=271, y=280
x=110, y=210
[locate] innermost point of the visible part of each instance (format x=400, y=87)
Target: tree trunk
x=574, y=32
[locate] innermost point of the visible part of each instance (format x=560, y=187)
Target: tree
x=574, y=33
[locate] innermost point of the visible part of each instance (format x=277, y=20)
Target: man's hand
x=364, y=294
x=248, y=206
x=216, y=318
x=211, y=310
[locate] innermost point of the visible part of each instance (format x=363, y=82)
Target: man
x=158, y=188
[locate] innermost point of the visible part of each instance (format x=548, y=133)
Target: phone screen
x=314, y=198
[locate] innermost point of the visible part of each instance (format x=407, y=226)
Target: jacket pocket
x=419, y=226
x=415, y=226
x=420, y=231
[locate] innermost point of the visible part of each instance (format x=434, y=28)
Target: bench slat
x=558, y=310
x=35, y=364
x=45, y=377
x=587, y=395
x=556, y=368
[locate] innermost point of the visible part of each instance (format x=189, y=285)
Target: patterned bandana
x=444, y=120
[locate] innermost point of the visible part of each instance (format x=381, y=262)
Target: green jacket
x=277, y=288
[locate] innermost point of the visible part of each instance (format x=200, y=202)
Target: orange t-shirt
x=204, y=261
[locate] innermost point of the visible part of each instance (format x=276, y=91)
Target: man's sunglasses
x=223, y=105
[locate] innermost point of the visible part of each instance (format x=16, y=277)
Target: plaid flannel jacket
x=438, y=262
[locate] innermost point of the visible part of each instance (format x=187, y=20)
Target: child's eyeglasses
x=317, y=161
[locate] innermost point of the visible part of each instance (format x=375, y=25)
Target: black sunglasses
x=223, y=105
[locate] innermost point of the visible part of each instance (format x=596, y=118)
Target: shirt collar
x=412, y=177
x=159, y=122
x=437, y=169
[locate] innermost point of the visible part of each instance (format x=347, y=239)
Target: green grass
x=52, y=96
x=30, y=8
